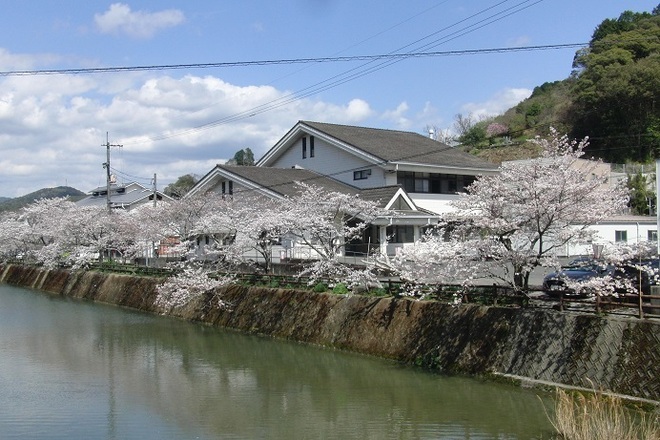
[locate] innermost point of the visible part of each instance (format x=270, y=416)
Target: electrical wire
x=389, y=56
x=364, y=69
x=372, y=64
x=137, y=179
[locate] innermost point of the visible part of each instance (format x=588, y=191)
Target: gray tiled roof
x=400, y=146
x=383, y=193
x=121, y=195
x=281, y=180
x=116, y=199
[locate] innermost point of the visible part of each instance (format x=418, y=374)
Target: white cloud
x=11, y=61
x=354, y=112
x=119, y=19
x=498, y=103
x=358, y=110
x=398, y=116
x=52, y=128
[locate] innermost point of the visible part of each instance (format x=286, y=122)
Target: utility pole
x=155, y=190
x=106, y=165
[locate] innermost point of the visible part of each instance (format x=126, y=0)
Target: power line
x=371, y=64
x=389, y=56
x=129, y=176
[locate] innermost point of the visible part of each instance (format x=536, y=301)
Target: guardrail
x=131, y=269
x=639, y=305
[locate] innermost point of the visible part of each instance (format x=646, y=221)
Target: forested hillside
x=45, y=193
x=612, y=96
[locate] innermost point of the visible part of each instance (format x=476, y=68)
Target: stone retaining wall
x=616, y=354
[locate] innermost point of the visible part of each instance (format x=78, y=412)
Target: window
x=304, y=148
x=433, y=183
x=401, y=233
x=652, y=235
x=362, y=174
x=400, y=204
x=227, y=187
x=311, y=146
x=621, y=236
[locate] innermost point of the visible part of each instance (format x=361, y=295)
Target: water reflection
x=122, y=374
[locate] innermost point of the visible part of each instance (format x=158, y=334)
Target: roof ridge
x=360, y=127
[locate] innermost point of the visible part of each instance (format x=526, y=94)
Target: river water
x=72, y=369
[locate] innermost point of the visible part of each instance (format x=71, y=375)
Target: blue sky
x=174, y=122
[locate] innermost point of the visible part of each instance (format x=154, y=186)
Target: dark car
x=641, y=275
x=554, y=284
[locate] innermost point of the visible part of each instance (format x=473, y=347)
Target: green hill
x=9, y=204
x=612, y=96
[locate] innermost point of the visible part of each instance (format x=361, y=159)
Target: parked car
x=554, y=283
x=641, y=275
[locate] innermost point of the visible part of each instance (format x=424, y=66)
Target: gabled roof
x=272, y=181
x=380, y=146
x=121, y=196
x=280, y=182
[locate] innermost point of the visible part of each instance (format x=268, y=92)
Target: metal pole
x=106, y=165
x=657, y=198
x=107, y=169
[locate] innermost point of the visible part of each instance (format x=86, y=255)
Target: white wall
x=606, y=234
x=331, y=161
x=437, y=203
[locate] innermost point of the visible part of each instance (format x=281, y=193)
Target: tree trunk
x=521, y=278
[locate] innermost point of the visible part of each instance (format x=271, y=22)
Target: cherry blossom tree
x=187, y=220
x=12, y=232
x=625, y=268
x=508, y=224
x=260, y=225
x=43, y=219
x=190, y=284
x=324, y=221
x=56, y=231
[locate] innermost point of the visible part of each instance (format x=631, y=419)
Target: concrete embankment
x=616, y=354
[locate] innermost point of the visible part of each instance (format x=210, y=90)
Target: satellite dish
x=113, y=179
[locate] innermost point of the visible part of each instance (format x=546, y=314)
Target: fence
x=629, y=305
x=639, y=305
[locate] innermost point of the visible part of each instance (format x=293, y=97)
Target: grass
x=595, y=415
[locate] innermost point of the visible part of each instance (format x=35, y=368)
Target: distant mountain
x=9, y=204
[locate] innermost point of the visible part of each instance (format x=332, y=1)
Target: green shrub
x=340, y=289
x=320, y=287
x=379, y=292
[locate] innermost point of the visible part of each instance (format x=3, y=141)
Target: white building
x=431, y=173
